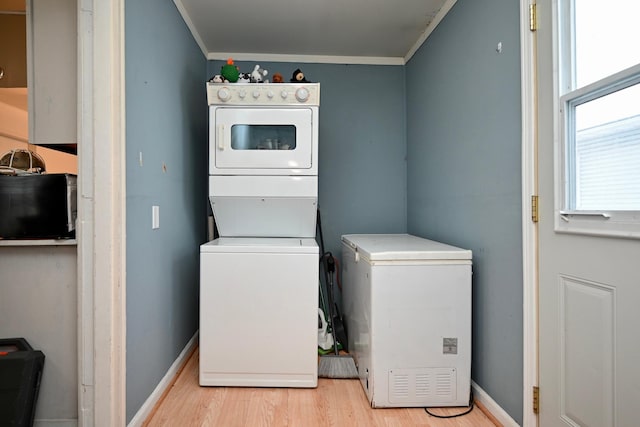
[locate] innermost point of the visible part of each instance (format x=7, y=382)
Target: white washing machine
x=258, y=312
x=407, y=309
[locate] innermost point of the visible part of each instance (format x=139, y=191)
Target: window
x=599, y=113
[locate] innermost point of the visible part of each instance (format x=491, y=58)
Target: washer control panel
x=263, y=94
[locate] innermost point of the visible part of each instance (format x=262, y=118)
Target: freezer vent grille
x=401, y=386
x=422, y=386
x=443, y=385
x=427, y=386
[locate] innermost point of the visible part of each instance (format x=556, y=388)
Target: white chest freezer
x=407, y=309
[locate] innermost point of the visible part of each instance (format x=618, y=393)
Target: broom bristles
x=339, y=367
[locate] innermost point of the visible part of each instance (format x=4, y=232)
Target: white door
x=261, y=138
x=589, y=277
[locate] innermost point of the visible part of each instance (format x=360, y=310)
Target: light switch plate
x=155, y=217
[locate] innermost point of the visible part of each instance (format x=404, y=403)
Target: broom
x=335, y=365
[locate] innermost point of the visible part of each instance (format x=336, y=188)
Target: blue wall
x=432, y=148
x=166, y=121
x=362, y=148
x=464, y=173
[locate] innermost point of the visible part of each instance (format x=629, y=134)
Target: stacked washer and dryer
x=259, y=278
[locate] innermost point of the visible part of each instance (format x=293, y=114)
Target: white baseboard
x=500, y=414
x=167, y=380
x=55, y=423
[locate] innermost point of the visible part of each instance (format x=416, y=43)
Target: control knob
x=242, y=93
x=302, y=94
x=256, y=94
x=284, y=94
x=269, y=94
x=224, y=94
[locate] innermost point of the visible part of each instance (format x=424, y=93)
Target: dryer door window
x=244, y=138
x=263, y=137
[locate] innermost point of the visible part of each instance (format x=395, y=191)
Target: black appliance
x=38, y=206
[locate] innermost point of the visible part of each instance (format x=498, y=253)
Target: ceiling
x=324, y=31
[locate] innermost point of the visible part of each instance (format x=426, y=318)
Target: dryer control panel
x=263, y=94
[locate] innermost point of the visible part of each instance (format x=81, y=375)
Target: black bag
x=20, y=373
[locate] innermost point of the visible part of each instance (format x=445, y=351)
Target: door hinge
x=533, y=17
x=536, y=399
x=534, y=208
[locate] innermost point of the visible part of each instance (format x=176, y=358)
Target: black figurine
x=298, y=77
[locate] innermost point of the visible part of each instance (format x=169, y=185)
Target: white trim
x=605, y=86
x=120, y=204
x=430, y=28
x=101, y=214
x=314, y=59
x=85, y=215
x=187, y=20
x=529, y=228
x=55, y=423
x=166, y=382
x=560, y=83
x=490, y=405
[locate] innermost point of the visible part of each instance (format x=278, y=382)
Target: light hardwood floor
x=334, y=403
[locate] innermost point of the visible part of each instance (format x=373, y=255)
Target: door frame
x=101, y=214
x=529, y=227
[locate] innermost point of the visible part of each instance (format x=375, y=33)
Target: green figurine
x=230, y=72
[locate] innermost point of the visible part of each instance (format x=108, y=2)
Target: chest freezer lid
x=396, y=247
x=261, y=245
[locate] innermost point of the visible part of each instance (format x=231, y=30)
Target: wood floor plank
x=334, y=403
x=306, y=404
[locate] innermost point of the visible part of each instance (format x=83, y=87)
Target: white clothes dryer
x=263, y=158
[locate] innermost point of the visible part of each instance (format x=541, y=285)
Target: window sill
x=604, y=225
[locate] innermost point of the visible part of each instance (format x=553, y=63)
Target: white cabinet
x=52, y=71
